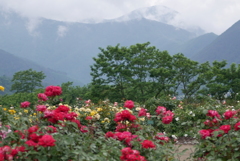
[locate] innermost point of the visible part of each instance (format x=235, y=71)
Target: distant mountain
x=224, y=47
x=69, y=47
x=10, y=64
x=156, y=13
x=162, y=14
x=194, y=45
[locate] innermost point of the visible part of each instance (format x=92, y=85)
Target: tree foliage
x=141, y=72
x=27, y=81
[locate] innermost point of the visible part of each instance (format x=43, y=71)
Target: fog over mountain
x=162, y=14
x=70, y=47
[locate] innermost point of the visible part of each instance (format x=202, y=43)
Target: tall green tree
x=190, y=75
x=162, y=74
x=27, y=81
x=110, y=73
x=218, y=85
x=141, y=62
x=233, y=76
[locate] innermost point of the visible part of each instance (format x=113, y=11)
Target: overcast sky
x=211, y=15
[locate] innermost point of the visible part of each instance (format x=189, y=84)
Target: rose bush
x=51, y=131
x=220, y=138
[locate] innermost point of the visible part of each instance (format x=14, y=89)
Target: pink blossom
x=129, y=104
x=25, y=104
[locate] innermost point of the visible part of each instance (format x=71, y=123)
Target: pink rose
x=205, y=133
x=25, y=104
x=167, y=119
x=129, y=104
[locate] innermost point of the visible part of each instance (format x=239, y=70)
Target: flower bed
x=45, y=131
x=126, y=131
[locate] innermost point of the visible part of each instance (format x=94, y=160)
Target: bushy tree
x=27, y=81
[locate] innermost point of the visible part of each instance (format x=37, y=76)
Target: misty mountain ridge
x=10, y=64
x=69, y=47
x=162, y=14
x=224, y=47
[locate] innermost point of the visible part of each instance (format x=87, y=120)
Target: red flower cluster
x=35, y=139
x=7, y=153
x=41, y=108
x=211, y=123
x=229, y=114
x=125, y=136
x=52, y=91
x=60, y=113
x=25, y=104
x=163, y=139
x=142, y=112
x=132, y=127
x=129, y=154
x=167, y=116
x=213, y=113
x=161, y=110
x=42, y=97
x=46, y=141
x=205, y=133
x=129, y=104
x=148, y=144
x=124, y=115
x=237, y=126
x=215, y=122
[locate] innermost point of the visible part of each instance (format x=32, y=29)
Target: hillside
x=10, y=64
x=224, y=47
x=194, y=45
x=69, y=47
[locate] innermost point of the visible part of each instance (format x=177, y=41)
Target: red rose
x=109, y=134
x=124, y=115
x=161, y=110
x=31, y=143
x=84, y=129
x=33, y=129
x=167, y=119
x=62, y=108
x=70, y=116
x=148, y=144
x=213, y=113
x=205, y=133
x=237, y=126
x=129, y=104
x=25, y=104
x=1, y=157
x=225, y=128
x=34, y=137
x=41, y=108
x=52, y=91
x=142, y=112
x=46, y=141
x=42, y=97
x=88, y=118
x=229, y=114
x=51, y=129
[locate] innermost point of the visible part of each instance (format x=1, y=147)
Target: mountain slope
x=194, y=45
x=10, y=64
x=225, y=47
x=162, y=14
x=69, y=47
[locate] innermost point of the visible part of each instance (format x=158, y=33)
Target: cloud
x=32, y=25
x=211, y=15
x=62, y=31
